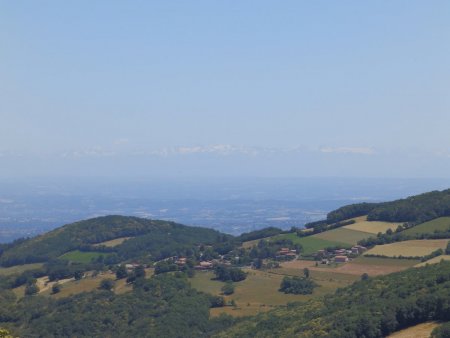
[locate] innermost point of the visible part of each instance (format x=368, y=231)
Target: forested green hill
x=163, y=306
x=416, y=209
x=158, y=238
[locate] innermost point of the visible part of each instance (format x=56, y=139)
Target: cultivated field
x=438, y=224
x=373, y=266
x=409, y=248
x=311, y=244
x=434, y=260
x=418, y=331
x=342, y=235
x=81, y=256
x=19, y=269
x=259, y=292
x=373, y=227
x=113, y=242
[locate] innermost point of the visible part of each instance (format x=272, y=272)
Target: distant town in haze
x=231, y=205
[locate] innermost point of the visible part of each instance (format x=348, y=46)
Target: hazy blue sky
x=264, y=88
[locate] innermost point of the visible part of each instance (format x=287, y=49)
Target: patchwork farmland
x=373, y=227
x=438, y=224
x=413, y=248
x=434, y=260
x=343, y=235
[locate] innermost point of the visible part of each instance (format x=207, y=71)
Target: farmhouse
x=341, y=259
x=204, y=266
x=340, y=251
x=358, y=249
x=131, y=266
x=283, y=251
x=181, y=261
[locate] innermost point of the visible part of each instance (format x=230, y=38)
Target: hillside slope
x=418, y=209
x=151, y=235
x=372, y=308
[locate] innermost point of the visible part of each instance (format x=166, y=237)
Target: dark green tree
x=106, y=284
x=121, y=272
x=306, y=272
x=56, y=288
x=31, y=289
x=78, y=275
x=228, y=288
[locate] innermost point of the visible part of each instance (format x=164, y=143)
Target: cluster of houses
x=203, y=265
x=132, y=266
x=339, y=255
x=286, y=253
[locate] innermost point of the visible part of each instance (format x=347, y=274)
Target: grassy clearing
x=81, y=256
x=434, y=260
x=438, y=224
x=90, y=283
x=418, y=331
x=409, y=248
x=19, y=269
x=373, y=227
x=311, y=244
x=259, y=292
x=342, y=235
x=113, y=242
x=249, y=244
x=202, y=282
x=19, y=292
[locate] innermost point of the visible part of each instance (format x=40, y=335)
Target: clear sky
x=263, y=88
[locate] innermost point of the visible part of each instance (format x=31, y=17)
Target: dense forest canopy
x=163, y=306
x=415, y=209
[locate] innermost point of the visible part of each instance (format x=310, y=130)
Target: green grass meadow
x=438, y=224
x=81, y=256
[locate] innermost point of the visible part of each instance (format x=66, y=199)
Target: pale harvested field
x=113, y=242
x=342, y=235
x=373, y=227
x=259, y=292
x=434, y=260
x=356, y=267
x=19, y=269
x=44, y=284
x=409, y=248
x=419, y=331
x=88, y=283
x=376, y=268
x=299, y=264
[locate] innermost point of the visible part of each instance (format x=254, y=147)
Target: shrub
x=106, y=284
